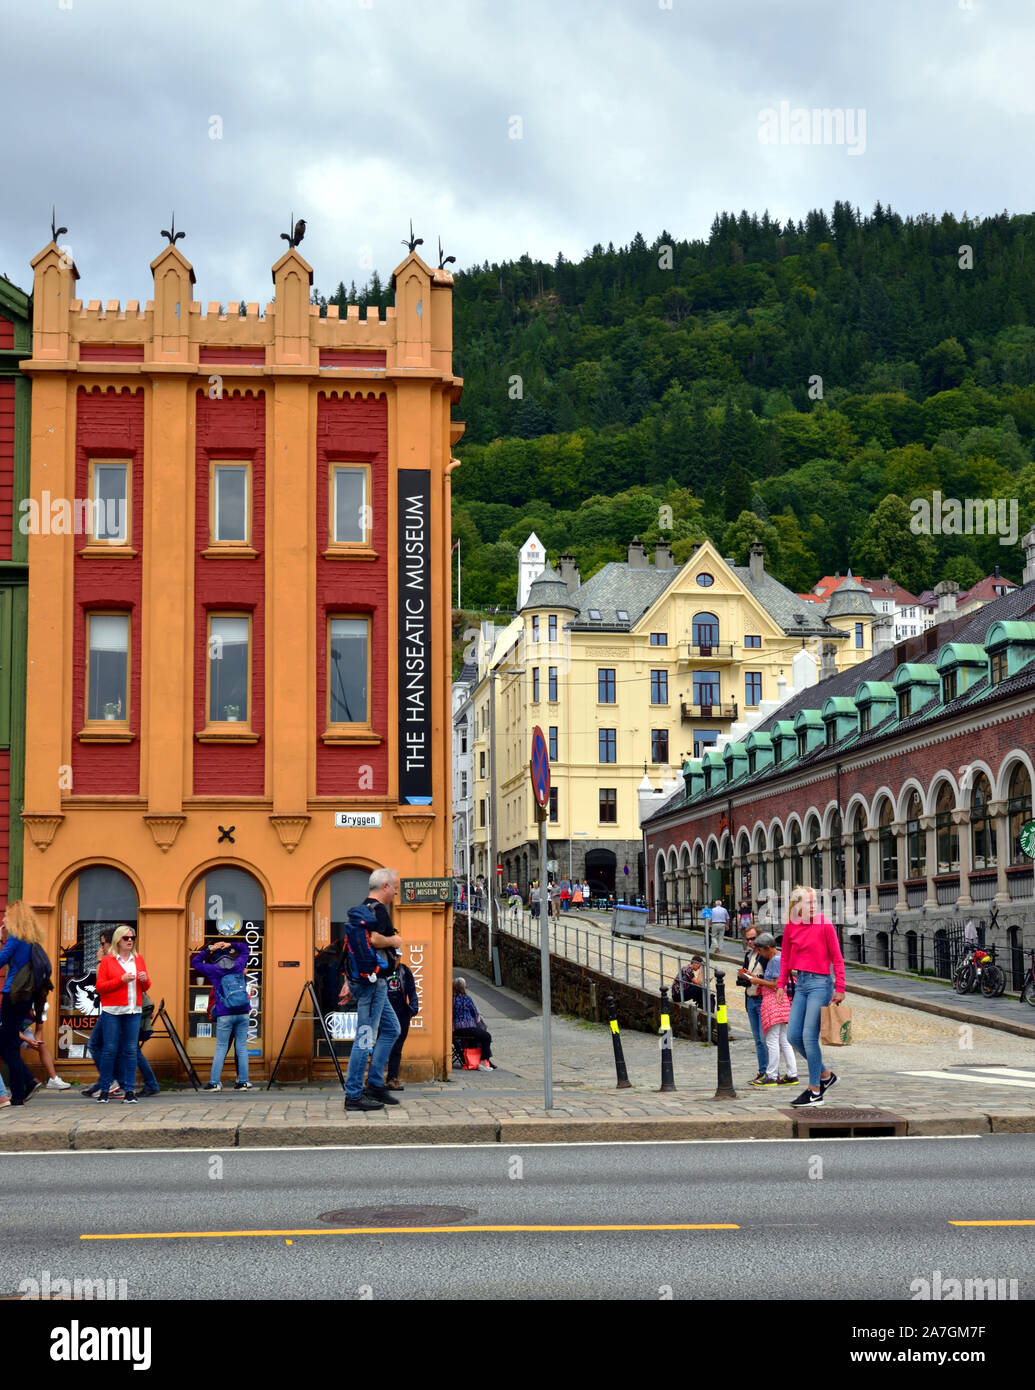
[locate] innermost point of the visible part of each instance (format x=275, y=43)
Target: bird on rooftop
x=295, y=237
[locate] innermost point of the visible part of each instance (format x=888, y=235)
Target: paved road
x=829, y=1220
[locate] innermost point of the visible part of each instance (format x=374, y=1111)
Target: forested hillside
x=803, y=382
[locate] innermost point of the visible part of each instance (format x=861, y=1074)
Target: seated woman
x=469, y=1028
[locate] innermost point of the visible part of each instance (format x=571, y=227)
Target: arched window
x=837, y=852
x=860, y=848
x=705, y=631
x=815, y=853
x=797, y=870
x=98, y=897
x=947, y=833
x=1019, y=810
x=777, y=858
x=982, y=825
x=916, y=838
x=761, y=867
x=887, y=855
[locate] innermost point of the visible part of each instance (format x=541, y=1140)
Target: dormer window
x=803, y=744
x=997, y=668
x=950, y=686
x=864, y=719
x=831, y=733
x=752, y=759
x=904, y=703
x=777, y=751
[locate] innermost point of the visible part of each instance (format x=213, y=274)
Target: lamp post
x=465, y=816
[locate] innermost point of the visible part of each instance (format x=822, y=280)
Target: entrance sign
x=540, y=768
x=426, y=890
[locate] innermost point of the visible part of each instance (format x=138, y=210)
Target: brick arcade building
x=239, y=641
x=904, y=783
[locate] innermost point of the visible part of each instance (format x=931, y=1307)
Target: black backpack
x=35, y=977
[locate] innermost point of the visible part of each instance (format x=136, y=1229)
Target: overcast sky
x=358, y=114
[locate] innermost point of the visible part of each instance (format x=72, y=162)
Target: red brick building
x=898, y=787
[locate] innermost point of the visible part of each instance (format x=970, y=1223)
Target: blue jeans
x=813, y=993
x=231, y=1026
x=753, y=1004
x=376, y=1031
x=119, y=1051
x=150, y=1080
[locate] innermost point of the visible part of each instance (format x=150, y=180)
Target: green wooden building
x=15, y=397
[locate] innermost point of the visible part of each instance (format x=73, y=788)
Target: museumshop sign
x=357, y=820
x=426, y=890
x=415, y=636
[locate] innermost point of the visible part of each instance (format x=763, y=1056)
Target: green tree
x=888, y=546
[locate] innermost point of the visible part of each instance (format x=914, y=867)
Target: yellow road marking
x=402, y=1231
x=992, y=1223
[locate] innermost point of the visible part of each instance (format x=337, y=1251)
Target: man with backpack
x=370, y=940
x=223, y=965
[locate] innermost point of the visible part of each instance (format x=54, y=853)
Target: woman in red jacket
x=121, y=980
x=811, y=948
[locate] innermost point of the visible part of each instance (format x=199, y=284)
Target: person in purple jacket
x=223, y=965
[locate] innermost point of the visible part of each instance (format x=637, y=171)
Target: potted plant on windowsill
x=111, y=709
x=232, y=714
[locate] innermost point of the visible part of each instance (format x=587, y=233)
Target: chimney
x=1028, y=546
x=663, y=556
x=569, y=571
x=996, y=572
x=883, y=633
x=945, y=593
x=827, y=660
x=638, y=558
x=756, y=561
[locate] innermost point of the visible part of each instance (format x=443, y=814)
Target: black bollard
x=667, y=1079
x=724, y=1090
x=623, y=1076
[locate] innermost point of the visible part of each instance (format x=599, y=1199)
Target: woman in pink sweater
x=810, y=948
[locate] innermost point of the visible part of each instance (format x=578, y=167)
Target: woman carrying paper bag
x=810, y=948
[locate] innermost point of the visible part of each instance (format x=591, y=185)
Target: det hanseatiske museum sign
x=415, y=636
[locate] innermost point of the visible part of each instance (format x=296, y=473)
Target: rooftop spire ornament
x=55, y=231
x=174, y=236
x=293, y=238
x=413, y=242
x=449, y=260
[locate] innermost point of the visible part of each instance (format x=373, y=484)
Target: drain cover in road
x=401, y=1215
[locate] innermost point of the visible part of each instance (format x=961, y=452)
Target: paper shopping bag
x=835, y=1029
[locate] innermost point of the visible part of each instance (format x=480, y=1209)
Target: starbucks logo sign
x=1028, y=838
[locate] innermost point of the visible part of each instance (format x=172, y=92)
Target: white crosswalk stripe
x=988, y=1076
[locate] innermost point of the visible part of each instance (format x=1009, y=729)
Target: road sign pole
x=544, y=934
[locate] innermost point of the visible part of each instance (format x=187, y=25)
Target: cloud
x=633, y=118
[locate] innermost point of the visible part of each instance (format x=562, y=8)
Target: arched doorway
x=601, y=866
x=338, y=892
x=226, y=904
x=96, y=898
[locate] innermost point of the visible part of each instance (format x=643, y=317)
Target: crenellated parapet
x=174, y=332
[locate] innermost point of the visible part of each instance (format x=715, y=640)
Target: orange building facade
x=238, y=691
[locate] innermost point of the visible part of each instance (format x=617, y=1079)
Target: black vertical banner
x=415, y=560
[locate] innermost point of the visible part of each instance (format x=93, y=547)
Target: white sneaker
x=485, y=1066
x=56, y=1084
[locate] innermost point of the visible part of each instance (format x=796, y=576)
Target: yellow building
x=628, y=674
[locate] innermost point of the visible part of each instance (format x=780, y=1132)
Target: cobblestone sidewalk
x=506, y=1106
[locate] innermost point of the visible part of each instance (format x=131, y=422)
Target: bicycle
x=979, y=970
x=1028, y=988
